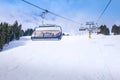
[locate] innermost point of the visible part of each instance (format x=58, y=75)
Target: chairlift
x=82, y=29
x=47, y=32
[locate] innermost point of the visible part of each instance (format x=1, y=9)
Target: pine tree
x=107, y=32
x=28, y=32
x=22, y=32
x=1, y=43
x=119, y=30
x=104, y=30
x=15, y=29
x=115, y=29
x=18, y=32
x=9, y=33
x=3, y=35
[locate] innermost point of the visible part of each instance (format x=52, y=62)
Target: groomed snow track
x=71, y=58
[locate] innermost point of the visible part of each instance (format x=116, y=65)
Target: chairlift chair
x=47, y=32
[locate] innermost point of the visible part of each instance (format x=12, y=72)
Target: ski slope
x=72, y=58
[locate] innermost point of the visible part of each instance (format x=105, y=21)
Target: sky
x=81, y=11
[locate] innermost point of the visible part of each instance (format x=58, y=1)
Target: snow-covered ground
x=72, y=58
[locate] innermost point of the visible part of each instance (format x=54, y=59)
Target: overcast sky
x=77, y=10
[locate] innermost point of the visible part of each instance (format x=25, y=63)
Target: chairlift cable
x=47, y=11
x=104, y=10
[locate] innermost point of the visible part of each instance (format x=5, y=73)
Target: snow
x=72, y=58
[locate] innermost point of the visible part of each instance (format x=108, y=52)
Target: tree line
x=9, y=33
x=105, y=30
x=115, y=30
x=12, y=32
x=28, y=32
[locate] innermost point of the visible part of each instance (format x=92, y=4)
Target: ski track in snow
x=72, y=58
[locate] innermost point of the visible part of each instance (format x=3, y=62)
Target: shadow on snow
x=15, y=44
